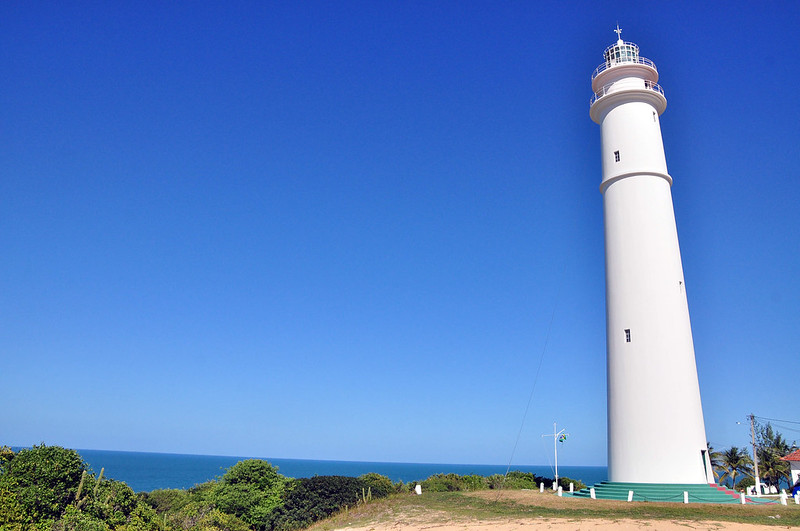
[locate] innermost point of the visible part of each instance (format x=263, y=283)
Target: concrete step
x=662, y=492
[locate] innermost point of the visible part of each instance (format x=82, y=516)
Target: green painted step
x=663, y=492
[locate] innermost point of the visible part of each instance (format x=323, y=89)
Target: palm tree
x=735, y=461
x=714, y=458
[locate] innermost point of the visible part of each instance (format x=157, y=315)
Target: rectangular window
x=627, y=335
x=616, y=156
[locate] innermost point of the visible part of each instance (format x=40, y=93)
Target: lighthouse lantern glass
x=622, y=52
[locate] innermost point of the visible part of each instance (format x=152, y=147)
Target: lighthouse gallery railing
x=607, y=90
x=638, y=60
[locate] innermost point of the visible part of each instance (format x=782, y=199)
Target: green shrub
x=6, y=455
x=379, y=485
x=165, y=500
x=48, y=488
x=473, y=482
x=454, y=482
x=43, y=479
x=527, y=480
x=144, y=518
x=310, y=499
x=76, y=520
x=496, y=481
x=401, y=487
x=250, y=490
x=216, y=520
x=198, y=516
x=517, y=480
x=203, y=491
x=576, y=483
x=12, y=514
x=112, y=502
x=188, y=516
x=441, y=483
x=745, y=483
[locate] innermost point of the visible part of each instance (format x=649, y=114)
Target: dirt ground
x=565, y=525
x=434, y=521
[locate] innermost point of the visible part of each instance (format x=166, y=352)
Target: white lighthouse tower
x=656, y=432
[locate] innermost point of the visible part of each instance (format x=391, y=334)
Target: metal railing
x=617, y=44
x=639, y=60
x=622, y=88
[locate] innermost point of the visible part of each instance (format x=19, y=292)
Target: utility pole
x=755, y=455
x=555, y=436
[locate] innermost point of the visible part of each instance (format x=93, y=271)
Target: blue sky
x=340, y=231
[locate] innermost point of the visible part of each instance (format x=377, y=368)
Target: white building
x=794, y=461
x=656, y=432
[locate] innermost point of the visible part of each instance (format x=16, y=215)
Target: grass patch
x=453, y=507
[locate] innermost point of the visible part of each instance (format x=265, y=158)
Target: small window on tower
x=627, y=335
x=654, y=116
x=616, y=156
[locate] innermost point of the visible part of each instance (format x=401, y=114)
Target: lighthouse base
x=664, y=492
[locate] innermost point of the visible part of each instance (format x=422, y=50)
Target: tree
x=734, y=461
x=43, y=479
x=714, y=458
x=250, y=490
x=49, y=487
x=771, y=446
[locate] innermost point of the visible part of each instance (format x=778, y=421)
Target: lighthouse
x=656, y=432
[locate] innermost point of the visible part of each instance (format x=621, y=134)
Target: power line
x=787, y=428
x=536, y=378
x=777, y=420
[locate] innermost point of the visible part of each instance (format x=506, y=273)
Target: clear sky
x=339, y=230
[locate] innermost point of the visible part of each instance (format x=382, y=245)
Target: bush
x=745, y=483
x=454, y=482
x=216, y=520
x=144, y=518
x=43, y=479
x=48, y=488
x=165, y=500
x=203, y=491
x=250, y=490
x=577, y=484
x=198, y=516
x=75, y=520
x=310, y=499
x=518, y=480
x=12, y=514
x=113, y=502
x=380, y=486
x=496, y=481
x=441, y=483
x=6, y=455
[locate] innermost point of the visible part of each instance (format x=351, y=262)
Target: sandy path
x=565, y=525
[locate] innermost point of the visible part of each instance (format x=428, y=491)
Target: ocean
x=145, y=471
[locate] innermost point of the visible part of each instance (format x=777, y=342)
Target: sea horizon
x=147, y=471
x=304, y=458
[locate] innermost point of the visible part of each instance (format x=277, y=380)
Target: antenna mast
x=557, y=436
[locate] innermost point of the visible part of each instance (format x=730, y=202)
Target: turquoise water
x=144, y=471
